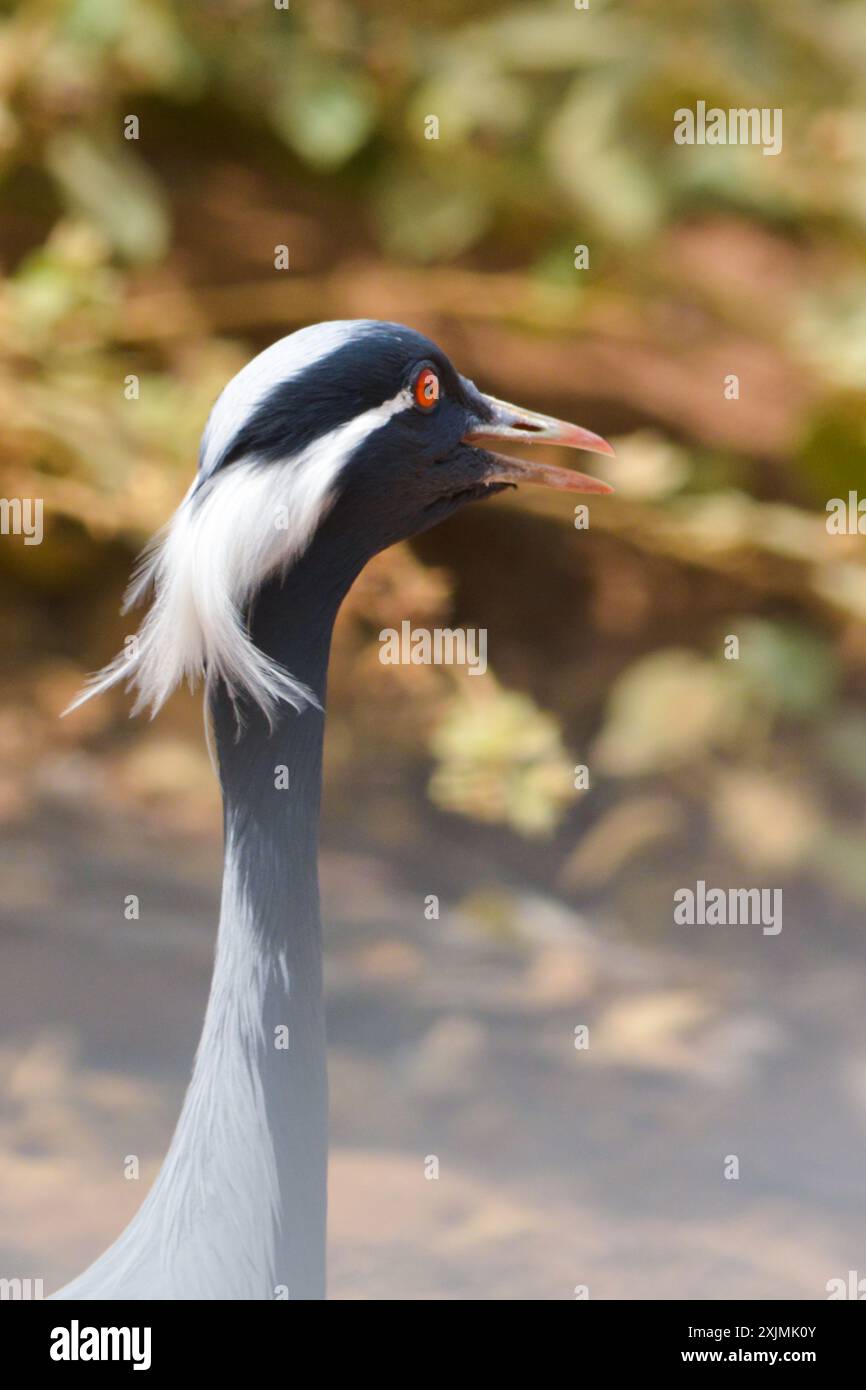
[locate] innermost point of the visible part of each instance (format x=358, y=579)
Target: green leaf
x=326, y=116
x=422, y=219
x=667, y=709
x=786, y=668
x=114, y=190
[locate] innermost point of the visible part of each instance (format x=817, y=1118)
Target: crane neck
x=267, y=986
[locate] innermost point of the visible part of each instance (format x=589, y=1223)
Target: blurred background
x=153, y=258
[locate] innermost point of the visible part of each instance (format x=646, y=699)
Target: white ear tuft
x=230, y=534
x=204, y=567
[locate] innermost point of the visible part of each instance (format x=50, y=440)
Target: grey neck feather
x=271, y=780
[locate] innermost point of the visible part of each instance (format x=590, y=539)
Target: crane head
x=338, y=440
x=386, y=423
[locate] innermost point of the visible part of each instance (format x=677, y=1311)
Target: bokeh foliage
x=306, y=126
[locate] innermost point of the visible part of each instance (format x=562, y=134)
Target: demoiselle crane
x=331, y=445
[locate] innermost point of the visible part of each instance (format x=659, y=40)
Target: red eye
x=426, y=389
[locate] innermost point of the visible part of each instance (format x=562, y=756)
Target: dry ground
x=557, y=1167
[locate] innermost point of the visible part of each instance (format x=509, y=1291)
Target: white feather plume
x=233, y=531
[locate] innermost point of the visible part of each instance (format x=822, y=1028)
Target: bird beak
x=513, y=422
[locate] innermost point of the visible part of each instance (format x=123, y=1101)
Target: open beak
x=513, y=422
